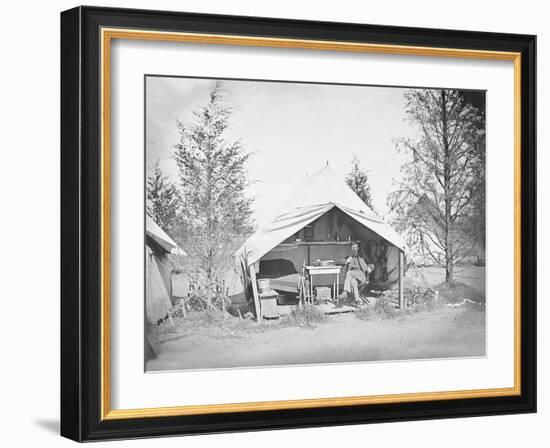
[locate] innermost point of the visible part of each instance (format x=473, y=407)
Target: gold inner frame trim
x=107, y=35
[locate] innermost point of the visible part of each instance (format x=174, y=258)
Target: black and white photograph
x=294, y=223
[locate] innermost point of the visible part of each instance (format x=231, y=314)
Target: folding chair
x=361, y=288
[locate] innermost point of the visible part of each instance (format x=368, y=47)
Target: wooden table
x=324, y=270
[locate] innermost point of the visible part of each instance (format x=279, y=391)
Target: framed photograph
x=273, y=223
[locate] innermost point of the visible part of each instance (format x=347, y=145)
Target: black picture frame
x=81, y=224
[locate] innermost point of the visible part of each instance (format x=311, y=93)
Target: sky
x=291, y=129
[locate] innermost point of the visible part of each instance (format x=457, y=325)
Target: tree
x=439, y=201
x=358, y=181
x=213, y=177
x=478, y=184
x=163, y=200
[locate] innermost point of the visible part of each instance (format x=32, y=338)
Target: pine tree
x=212, y=171
x=358, y=181
x=163, y=200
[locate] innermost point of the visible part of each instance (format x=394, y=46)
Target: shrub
x=384, y=309
x=365, y=313
x=380, y=310
x=305, y=316
x=423, y=299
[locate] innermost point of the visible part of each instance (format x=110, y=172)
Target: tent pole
x=255, y=294
x=402, y=304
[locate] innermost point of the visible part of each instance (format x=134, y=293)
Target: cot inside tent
x=319, y=221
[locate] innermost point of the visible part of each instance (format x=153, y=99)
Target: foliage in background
x=477, y=217
x=358, y=180
x=216, y=212
x=163, y=201
x=439, y=205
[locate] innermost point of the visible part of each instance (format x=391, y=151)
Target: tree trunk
x=449, y=269
x=449, y=262
x=209, y=283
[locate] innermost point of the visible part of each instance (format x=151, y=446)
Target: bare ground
x=438, y=333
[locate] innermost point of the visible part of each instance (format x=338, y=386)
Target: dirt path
x=443, y=332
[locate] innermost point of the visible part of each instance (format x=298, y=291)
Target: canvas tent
x=158, y=295
x=319, y=220
x=158, y=249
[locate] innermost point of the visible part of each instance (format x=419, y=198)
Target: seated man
x=357, y=271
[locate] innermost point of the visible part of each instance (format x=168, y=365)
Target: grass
x=218, y=324
x=421, y=299
x=381, y=310
x=418, y=299
x=456, y=292
x=305, y=317
x=213, y=323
